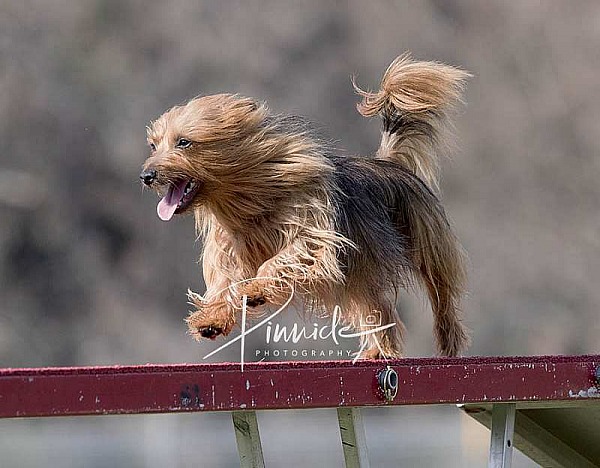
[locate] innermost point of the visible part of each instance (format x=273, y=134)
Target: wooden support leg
x=248, y=439
x=503, y=426
x=354, y=442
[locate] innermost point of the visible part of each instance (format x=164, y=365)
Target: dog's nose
x=148, y=176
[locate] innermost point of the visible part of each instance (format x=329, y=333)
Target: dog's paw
x=371, y=354
x=255, y=300
x=377, y=353
x=256, y=293
x=210, y=322
x=210, y=332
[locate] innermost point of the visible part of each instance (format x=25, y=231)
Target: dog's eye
x=183, y=143
x=152, y=146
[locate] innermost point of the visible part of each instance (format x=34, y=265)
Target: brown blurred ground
x=90, y=275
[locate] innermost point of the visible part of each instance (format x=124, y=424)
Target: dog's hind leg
x=381, y=330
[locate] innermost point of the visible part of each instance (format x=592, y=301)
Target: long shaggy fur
x=277, y=209
x=414, y=103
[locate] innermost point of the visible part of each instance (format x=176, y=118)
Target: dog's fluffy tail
x=413, y=101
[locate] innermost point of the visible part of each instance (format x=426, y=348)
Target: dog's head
x=196, y=150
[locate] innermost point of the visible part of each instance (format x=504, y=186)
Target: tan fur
x=275, y=206
x=421, y=94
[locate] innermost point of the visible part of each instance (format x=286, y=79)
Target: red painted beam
x=278, y=385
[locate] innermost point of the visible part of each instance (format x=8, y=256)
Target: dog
x=280, y=212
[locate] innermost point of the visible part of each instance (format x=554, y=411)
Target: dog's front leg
x=296, y=268
x=215, y=312
x=266, y=289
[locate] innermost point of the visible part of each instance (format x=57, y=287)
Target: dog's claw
x=210, y=332
x=255, y=301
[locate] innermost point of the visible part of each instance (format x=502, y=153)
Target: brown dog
x=278, y=209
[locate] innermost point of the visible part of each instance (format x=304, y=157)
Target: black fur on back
x=377, y=201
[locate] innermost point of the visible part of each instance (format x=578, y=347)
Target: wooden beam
x=354, y=442
x=284, y=385
x=535, y=441
x=501, y=440
x=247, y=438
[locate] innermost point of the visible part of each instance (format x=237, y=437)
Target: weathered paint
x=280, y=385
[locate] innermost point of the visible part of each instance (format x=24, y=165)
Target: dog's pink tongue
x=167, y=206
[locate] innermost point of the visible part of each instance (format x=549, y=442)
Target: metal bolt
x=388, y=383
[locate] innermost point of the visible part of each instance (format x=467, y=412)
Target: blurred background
x=90, y=276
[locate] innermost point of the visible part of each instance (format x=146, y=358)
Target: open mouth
x=179, y=196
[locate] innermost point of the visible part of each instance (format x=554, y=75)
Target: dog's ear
x=254, y=105
x=251, y=111
x=241, y=104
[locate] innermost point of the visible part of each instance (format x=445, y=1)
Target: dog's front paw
x=211, y=321
x=255, y=292
x=255, y=300
x=210, y=332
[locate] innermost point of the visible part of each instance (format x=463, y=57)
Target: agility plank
x=555, y=380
